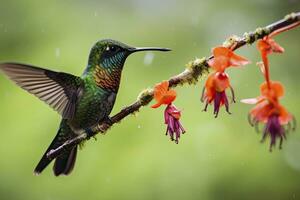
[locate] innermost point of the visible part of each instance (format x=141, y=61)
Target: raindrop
x=57, y=52
x=148, y=59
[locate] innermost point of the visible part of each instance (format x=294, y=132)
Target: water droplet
x=57, y=52
x=148, y=59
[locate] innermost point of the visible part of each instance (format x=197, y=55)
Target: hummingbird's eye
x=111, y=49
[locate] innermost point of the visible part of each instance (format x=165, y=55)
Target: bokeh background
x=216, y=159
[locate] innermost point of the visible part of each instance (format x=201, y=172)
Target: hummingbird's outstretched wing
x=59, y=90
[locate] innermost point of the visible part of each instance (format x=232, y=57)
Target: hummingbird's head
x=112, y=54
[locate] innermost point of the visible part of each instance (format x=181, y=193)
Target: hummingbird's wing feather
x=59, y=90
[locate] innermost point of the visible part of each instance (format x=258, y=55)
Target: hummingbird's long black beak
x=136, y=49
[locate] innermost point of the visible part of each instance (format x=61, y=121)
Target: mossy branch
x=194, y=70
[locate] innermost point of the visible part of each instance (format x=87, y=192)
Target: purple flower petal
x=173, y=124
x=275, y=130
x=220, y=98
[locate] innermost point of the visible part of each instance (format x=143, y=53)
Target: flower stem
x=267, y=69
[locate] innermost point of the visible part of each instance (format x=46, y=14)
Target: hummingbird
x=82, y=101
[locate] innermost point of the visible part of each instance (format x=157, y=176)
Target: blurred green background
x=216, y=159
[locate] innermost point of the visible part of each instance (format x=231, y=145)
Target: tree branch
x=195, y=69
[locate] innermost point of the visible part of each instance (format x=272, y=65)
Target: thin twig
x=195, y=69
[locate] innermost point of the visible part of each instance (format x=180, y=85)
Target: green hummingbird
x=81, y=101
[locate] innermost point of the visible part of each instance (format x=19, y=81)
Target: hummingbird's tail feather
x=65, y=162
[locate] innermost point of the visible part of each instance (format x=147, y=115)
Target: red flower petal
x=221, y=51
x=276, y=90
x=237, y=60
x=263, y=46
x=225, y=57
x=276, y=48
x=268, y=45
x=160, y=89
x=219, y=63
x=163, y=95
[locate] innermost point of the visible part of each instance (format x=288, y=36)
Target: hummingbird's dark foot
x=90, y=133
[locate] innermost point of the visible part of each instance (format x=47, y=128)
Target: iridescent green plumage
x=82, y=101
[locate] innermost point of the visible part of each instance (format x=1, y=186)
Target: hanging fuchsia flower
x=215, y=92
x=218, y=82
x=164, y=96
x=172, y=116
x=268, y=111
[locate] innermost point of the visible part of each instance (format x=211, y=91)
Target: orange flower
x=278, y=121
x=268, y=45
x=163, y=95
x=273, y=93
x=268, y=102
x=224, y=58
x=214, y=91
x=218, y=81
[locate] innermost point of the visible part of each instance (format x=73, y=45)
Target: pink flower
x=164, y=96
x=174, y=127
